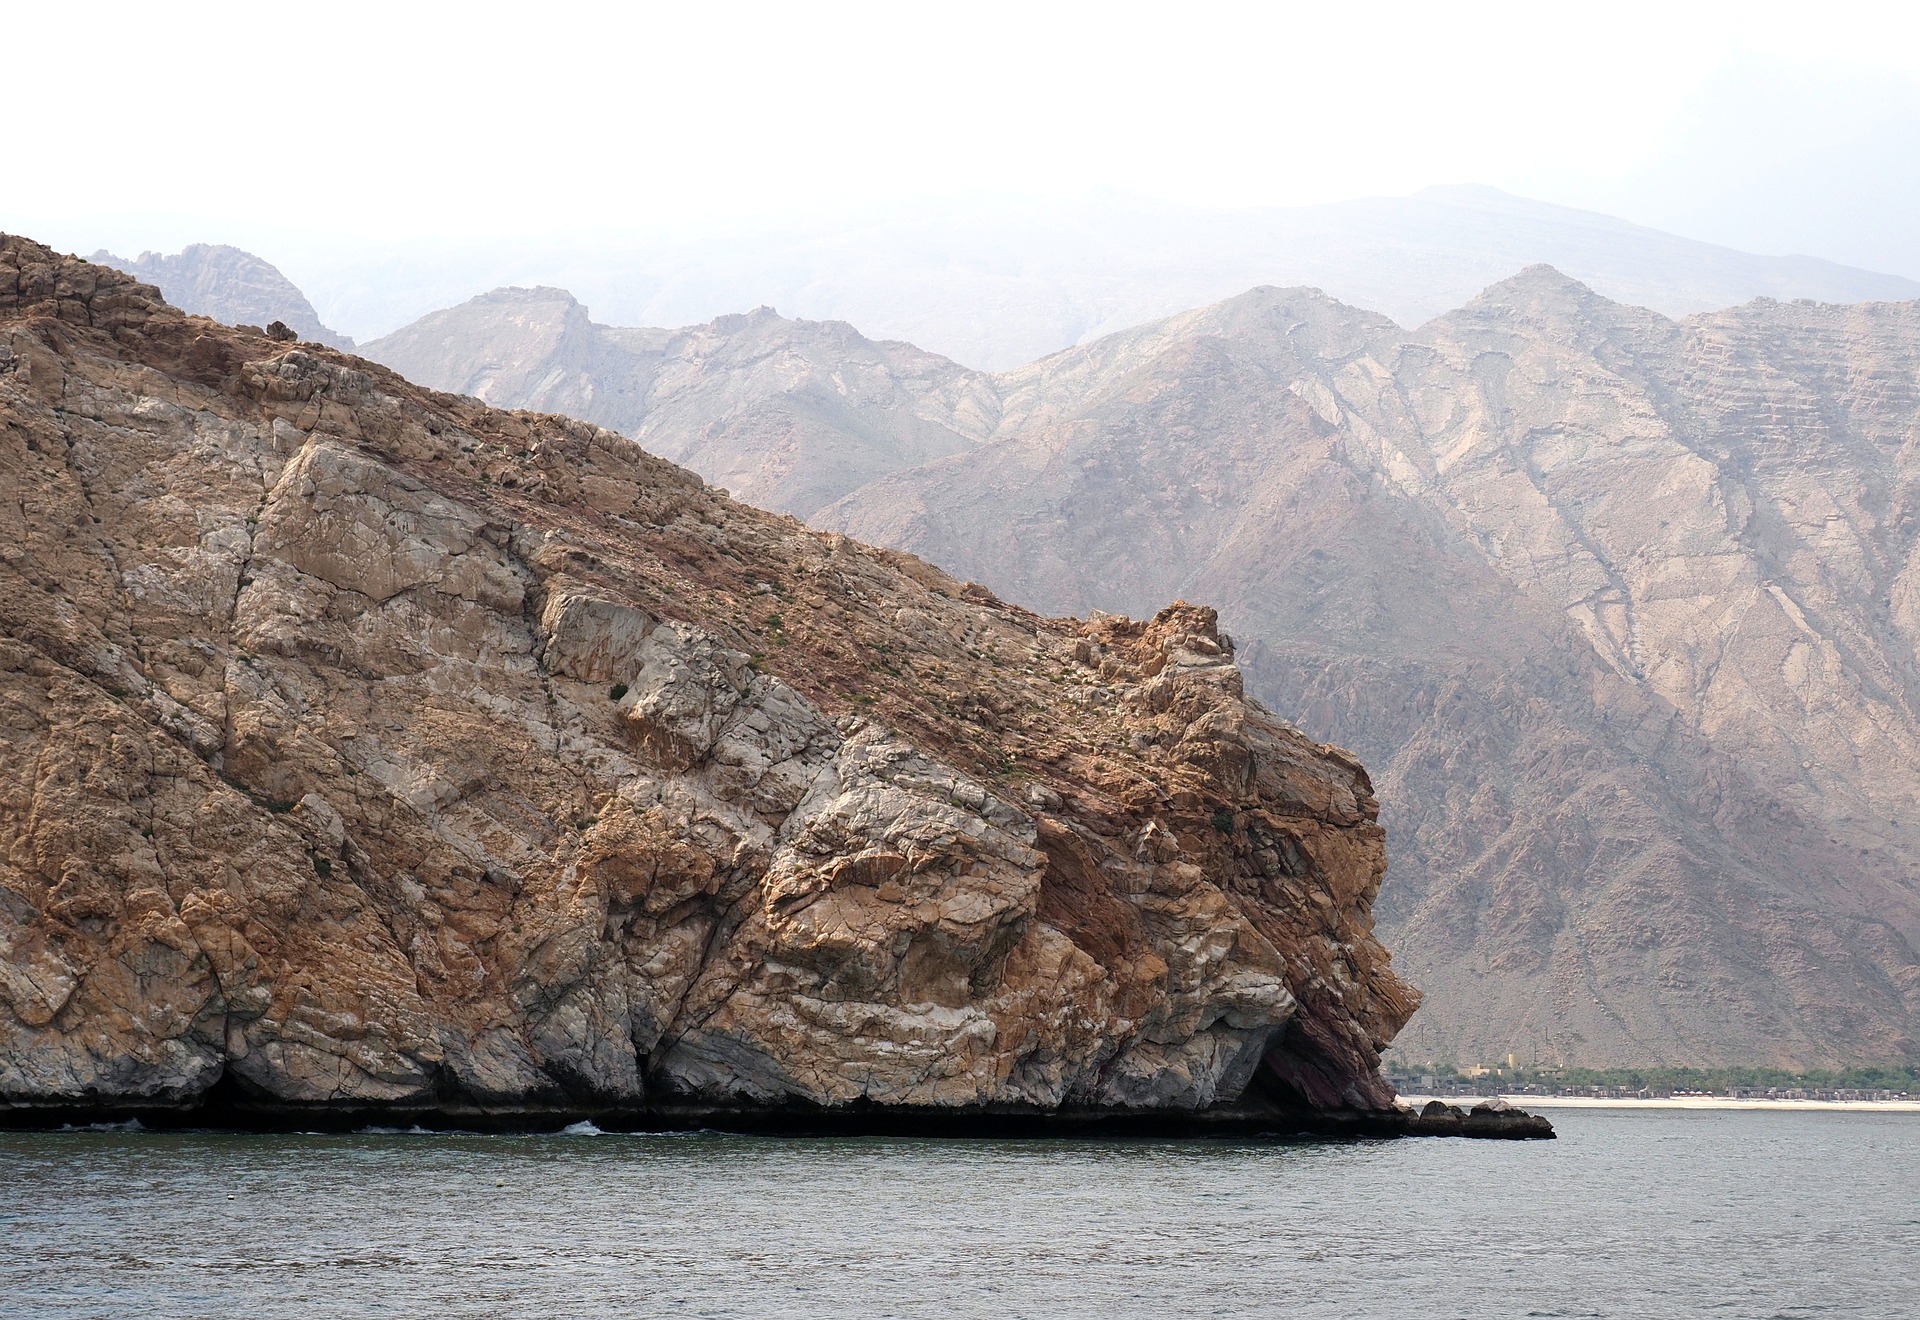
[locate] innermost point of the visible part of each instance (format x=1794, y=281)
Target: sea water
x=1664, y=1213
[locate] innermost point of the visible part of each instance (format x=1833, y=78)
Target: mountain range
x=998, y=282
x=1621, y=609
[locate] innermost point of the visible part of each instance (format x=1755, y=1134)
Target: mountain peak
x=517, y=293
x=763, y=315
x=230, y=285
x=1542, y=295
x=1542, y=277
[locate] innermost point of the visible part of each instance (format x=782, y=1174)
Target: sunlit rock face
x=368, y=747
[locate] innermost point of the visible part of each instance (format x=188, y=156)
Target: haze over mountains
x=995, y=284
x=1620, y=610
x=788, y=415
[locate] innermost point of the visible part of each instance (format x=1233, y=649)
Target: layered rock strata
x=368, y=749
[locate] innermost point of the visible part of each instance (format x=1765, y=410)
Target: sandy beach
x=1690, y=1102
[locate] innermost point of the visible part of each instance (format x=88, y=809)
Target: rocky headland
x=371, y=752
x=1620, y=610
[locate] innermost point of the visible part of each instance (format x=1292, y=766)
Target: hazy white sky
x=1769, y=125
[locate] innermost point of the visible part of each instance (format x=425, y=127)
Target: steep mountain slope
x=998, y=283
x=789, y=415
x=370, y=749
x=229, y=285
x=1621, y=607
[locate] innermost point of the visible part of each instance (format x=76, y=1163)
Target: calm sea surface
x=1628, y=1214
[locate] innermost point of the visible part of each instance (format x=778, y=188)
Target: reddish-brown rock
x=364, y=747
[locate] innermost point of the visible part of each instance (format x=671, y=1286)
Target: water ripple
x=1629, y=1214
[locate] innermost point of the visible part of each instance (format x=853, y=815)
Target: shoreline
x=1690, y=1102
x=228, y=1112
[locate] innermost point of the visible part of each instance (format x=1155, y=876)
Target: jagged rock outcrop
x=229, y=285
x=371, y=749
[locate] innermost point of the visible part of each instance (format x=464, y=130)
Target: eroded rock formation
x=368, y=747
x=1620, y=611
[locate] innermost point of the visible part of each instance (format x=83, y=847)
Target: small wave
x=584, y=1128
x=376, y=1131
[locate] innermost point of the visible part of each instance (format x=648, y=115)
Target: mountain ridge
x=996, y=285
x=229, y=285
x=824, y=409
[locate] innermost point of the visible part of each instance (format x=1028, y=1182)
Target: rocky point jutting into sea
x=373, y=753
x=1620, y=612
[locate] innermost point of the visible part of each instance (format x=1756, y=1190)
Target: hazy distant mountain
x=788, y=415
x=995, y=285
x=230, y=286
x=1622, y=612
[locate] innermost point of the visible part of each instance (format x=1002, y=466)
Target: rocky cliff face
x=371, y=748
x=229, y=285
x=1619, y=608
x=788, y=415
